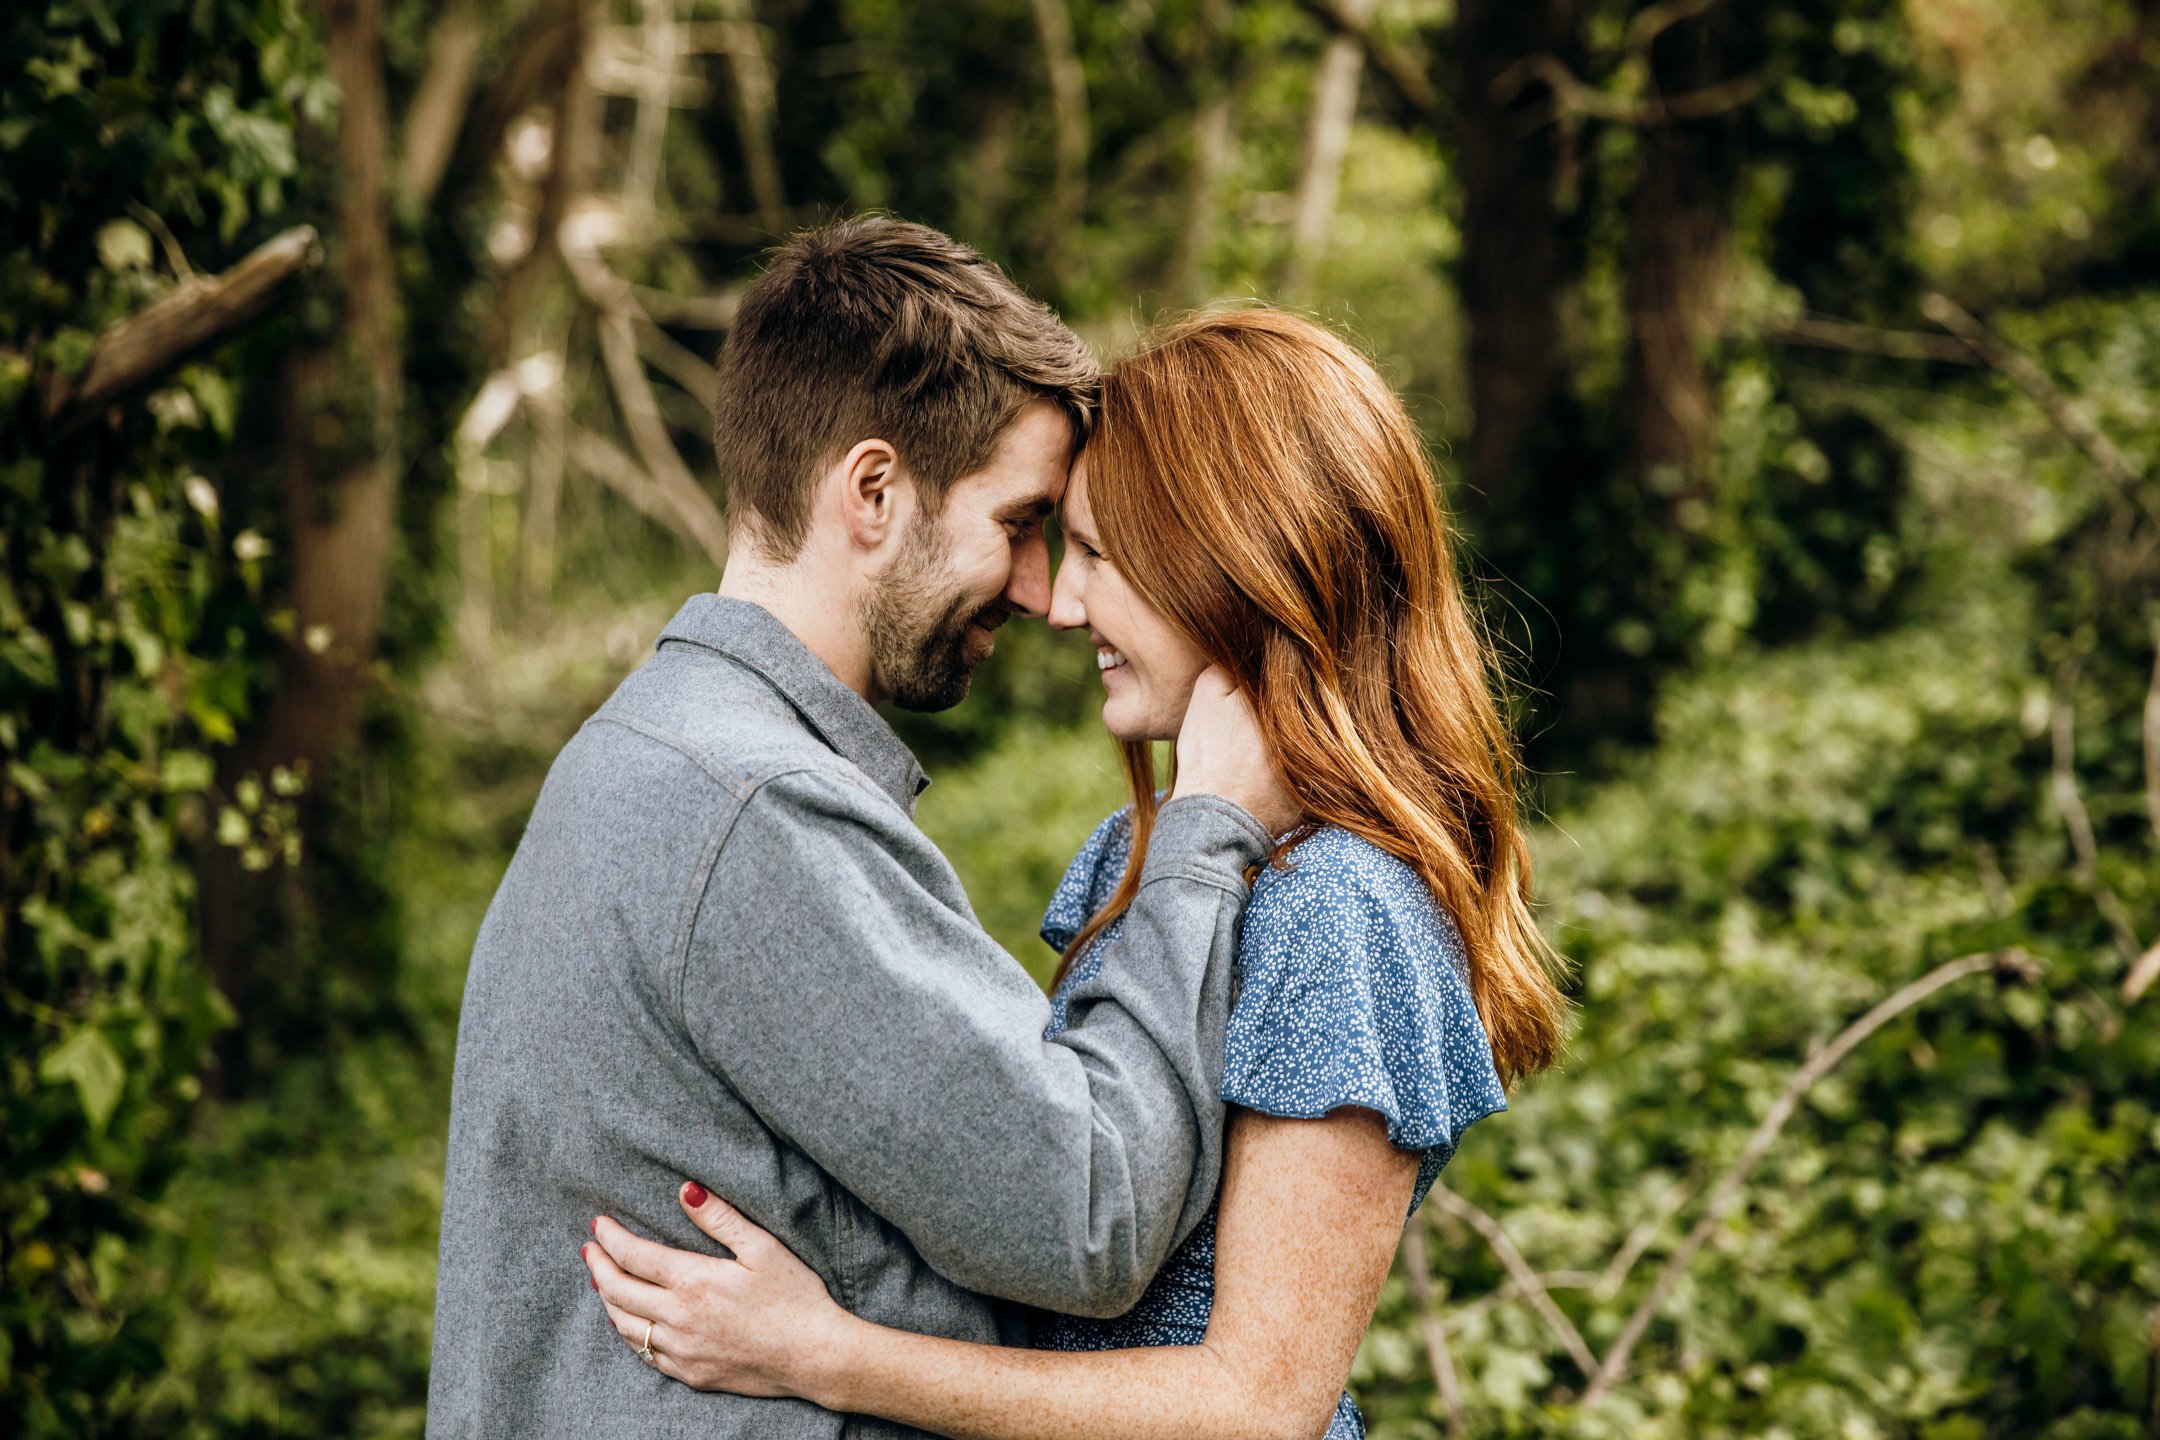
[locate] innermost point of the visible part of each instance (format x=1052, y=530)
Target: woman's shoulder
x=1338, y=882
x=1089, y=879
x=1354, y=990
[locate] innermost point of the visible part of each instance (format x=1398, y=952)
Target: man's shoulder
x=695, y=705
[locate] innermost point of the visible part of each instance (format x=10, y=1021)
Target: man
x=723, y=950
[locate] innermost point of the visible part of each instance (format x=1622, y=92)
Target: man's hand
x=1220, y=751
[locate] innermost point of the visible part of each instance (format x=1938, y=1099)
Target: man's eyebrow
x=1035, y=507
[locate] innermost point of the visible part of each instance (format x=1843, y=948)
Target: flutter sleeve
x=1353, y=990
x=1089, y=880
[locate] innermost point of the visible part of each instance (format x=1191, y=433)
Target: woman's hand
x=1220, y=751
x=759, y=1324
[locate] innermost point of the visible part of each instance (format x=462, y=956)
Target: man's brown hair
x=876, y=328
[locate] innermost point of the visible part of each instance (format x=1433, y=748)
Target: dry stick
x=1404, y=76
x=2064, y=789
x=2053, y=403
x=1727, y=1191
x=1616, y=1270
x=1526, y=1280
x=755, y=107
x=1418, y=1270
x=1826, y=333
x=697, y=516
x=199, y=312
x=601, y=460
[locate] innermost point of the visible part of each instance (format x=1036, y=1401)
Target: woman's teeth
x=1108, y=659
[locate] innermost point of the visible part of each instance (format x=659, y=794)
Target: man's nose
x=1029, y=590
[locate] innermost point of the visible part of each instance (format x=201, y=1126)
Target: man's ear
x=874, y=493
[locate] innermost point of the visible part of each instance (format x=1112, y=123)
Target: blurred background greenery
x=1830, y=609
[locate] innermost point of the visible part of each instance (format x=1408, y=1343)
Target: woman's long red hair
x=1258, y=483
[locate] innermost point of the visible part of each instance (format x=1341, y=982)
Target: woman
x=1255, y=499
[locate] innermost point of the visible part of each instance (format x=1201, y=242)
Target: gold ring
x=646, y=1354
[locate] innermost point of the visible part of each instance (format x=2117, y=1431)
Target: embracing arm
x=1311, y=1213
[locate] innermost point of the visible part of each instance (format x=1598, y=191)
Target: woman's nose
x=1066, y=610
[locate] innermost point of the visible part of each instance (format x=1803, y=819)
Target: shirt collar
x=749, y=635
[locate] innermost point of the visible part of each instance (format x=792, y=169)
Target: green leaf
x=185, y=772
x=87, y=1059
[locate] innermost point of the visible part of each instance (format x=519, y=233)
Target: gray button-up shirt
x=724, y=952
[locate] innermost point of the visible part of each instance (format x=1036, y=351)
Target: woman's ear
x=874, y=493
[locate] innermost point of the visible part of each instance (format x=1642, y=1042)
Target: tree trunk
x=339, y=458
x=1676, y=281
x=1515, y=263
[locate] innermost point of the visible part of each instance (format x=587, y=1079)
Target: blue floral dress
x=1350, y=990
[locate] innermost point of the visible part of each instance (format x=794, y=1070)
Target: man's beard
x=923, y=643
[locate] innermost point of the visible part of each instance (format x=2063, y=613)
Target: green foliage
x=1956, y=1234
x=128, y=637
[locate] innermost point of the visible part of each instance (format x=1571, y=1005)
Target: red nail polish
x=593, y=1225
x=595, y=1283
x=693, y=1194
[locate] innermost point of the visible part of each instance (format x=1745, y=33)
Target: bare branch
x=1417, y=1269
x=1829, y=334
x=438, y=106
x=1526, y=1280
x=601, y=460
x=2052, y=402
x=1609, y=1281
x=1572, y=98
x=1654, y=20
x=1726, y=1192
x=1327, y=142
x=755, y=109
x=692, y=312
x=141, y=348
x=1404, y=75
x=2063, y=787
x=681, y=365
x=696, y=514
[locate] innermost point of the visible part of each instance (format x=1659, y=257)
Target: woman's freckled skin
x=1149, y=666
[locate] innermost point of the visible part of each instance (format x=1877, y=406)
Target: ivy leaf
x=87, y=1059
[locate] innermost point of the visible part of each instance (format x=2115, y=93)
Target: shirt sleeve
x=836, y=979
x=1353, y=993
x=1089, y=880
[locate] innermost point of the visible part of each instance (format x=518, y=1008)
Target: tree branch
x=438, y=105
x=1526, y=1280
x=141, y=348
x=1404, y=76
x=1726, y=1193
x=601, y=460
x=2052, y=402
x=1572, y=98
x=698, y=516
x=1417, y=1269
x=1829, y=334
x=2063, y=787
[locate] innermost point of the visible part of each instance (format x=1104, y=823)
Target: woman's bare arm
x=1311, y=1214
